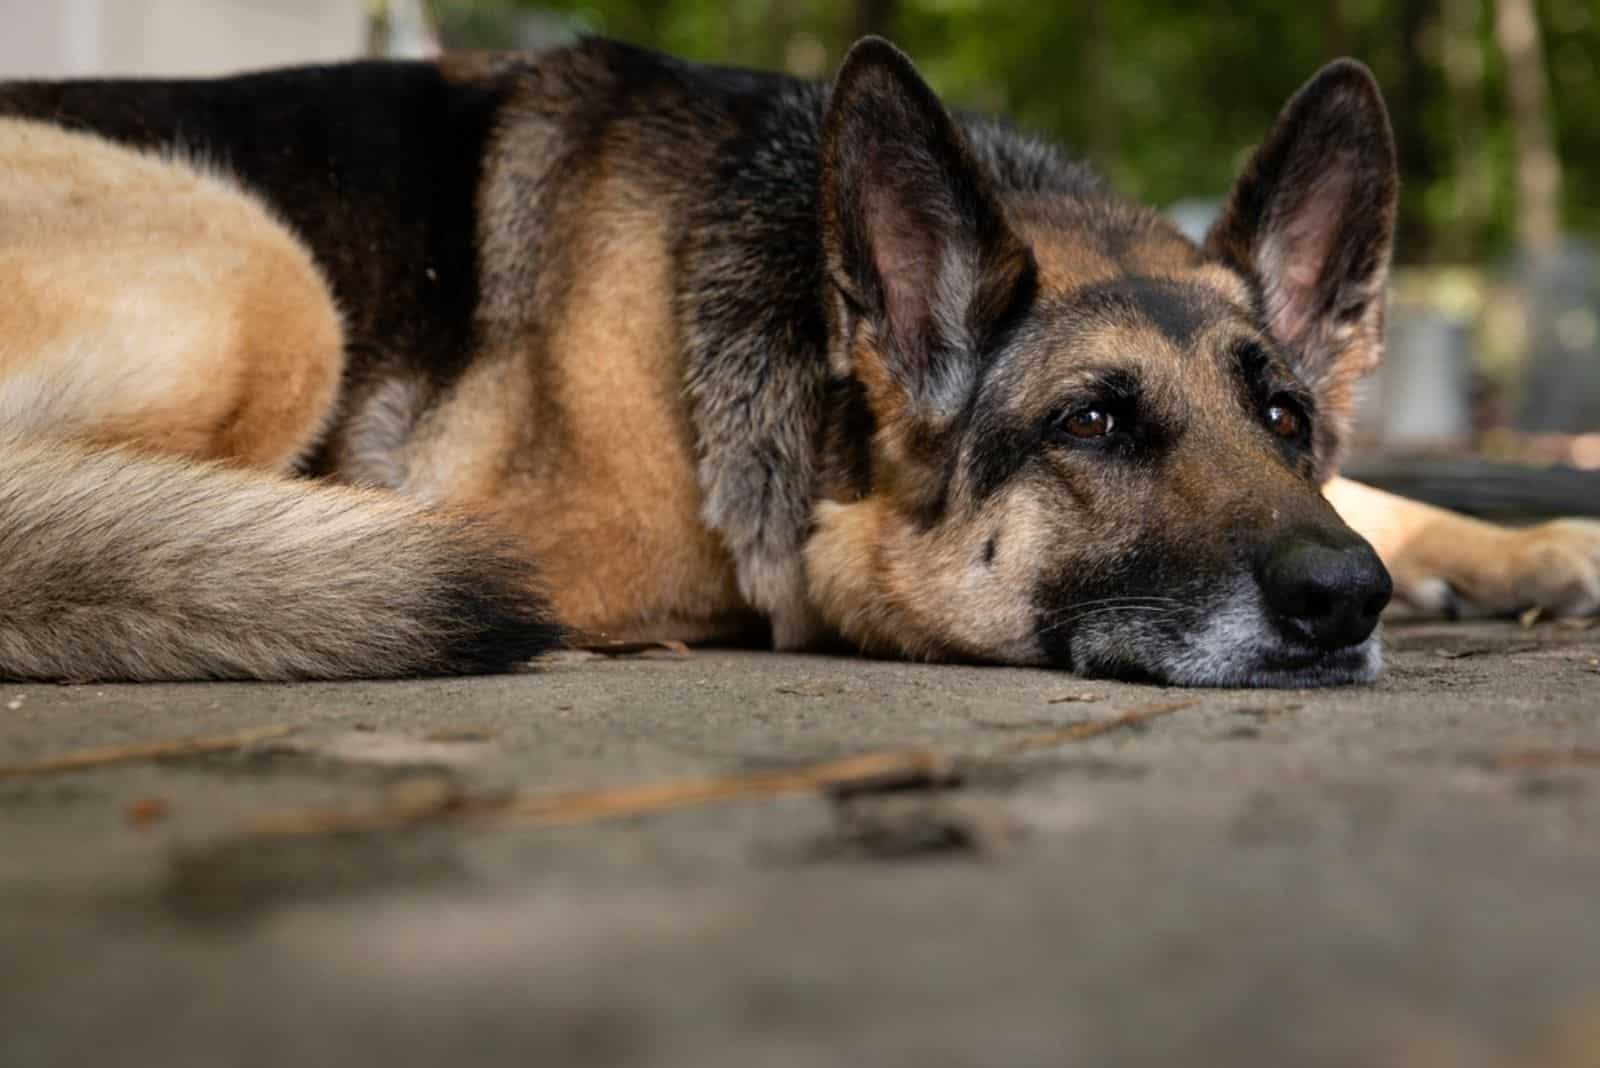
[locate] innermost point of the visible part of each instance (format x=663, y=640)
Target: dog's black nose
x=1329, y=597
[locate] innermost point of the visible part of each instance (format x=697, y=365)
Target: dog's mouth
x=1341, y=667
x=1247, y=668
x=1230, y=644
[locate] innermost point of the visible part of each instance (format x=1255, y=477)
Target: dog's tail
x=120, y=566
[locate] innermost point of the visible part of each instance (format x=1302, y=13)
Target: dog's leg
x=146, y=302
x=1457, y=565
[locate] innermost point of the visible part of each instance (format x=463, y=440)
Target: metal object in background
x=1561, y=389
x=1421, y=396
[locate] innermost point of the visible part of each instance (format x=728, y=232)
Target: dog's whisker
x=1073, y=618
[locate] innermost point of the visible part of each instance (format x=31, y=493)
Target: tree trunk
x=1516, y=28
x=1473, y=173
x=1419, y=161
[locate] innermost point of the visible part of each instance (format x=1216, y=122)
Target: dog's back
x=508, y=244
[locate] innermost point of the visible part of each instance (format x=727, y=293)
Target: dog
x=392, y=369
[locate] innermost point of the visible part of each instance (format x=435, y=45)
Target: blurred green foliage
x=1166, y=97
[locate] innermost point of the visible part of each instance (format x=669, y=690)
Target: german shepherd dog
x=396, y=368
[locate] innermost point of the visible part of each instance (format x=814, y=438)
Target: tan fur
x=124, y=566
x=146, y=301
x=1063, y=243
x=891, y=587
x=600, y=482
x=1063, y=265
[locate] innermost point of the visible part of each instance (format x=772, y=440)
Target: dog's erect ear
x=917, y=244
x=1313, y=219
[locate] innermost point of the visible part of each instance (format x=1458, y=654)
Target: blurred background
x=1495, y=322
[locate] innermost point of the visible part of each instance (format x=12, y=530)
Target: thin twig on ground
x=440, y=803
x=1572, y=756
x=141, y=752
x=1077, y=732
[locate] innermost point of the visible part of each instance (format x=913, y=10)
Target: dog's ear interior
x=917, y=245
x=1312, y=219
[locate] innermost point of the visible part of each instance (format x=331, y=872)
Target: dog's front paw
x=1462, y=567
x=1555, y=567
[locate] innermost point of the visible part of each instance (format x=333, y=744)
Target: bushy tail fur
x=115, y=565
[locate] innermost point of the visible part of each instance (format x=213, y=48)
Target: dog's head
x=1063, y=433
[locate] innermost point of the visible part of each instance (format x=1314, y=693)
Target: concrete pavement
x=1405, y=874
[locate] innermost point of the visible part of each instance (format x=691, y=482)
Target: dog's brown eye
x=1088, y=423
x=1283, y=420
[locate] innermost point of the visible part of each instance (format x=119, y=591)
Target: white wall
x=55, y=38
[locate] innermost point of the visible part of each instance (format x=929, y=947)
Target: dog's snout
x=1327, y=596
